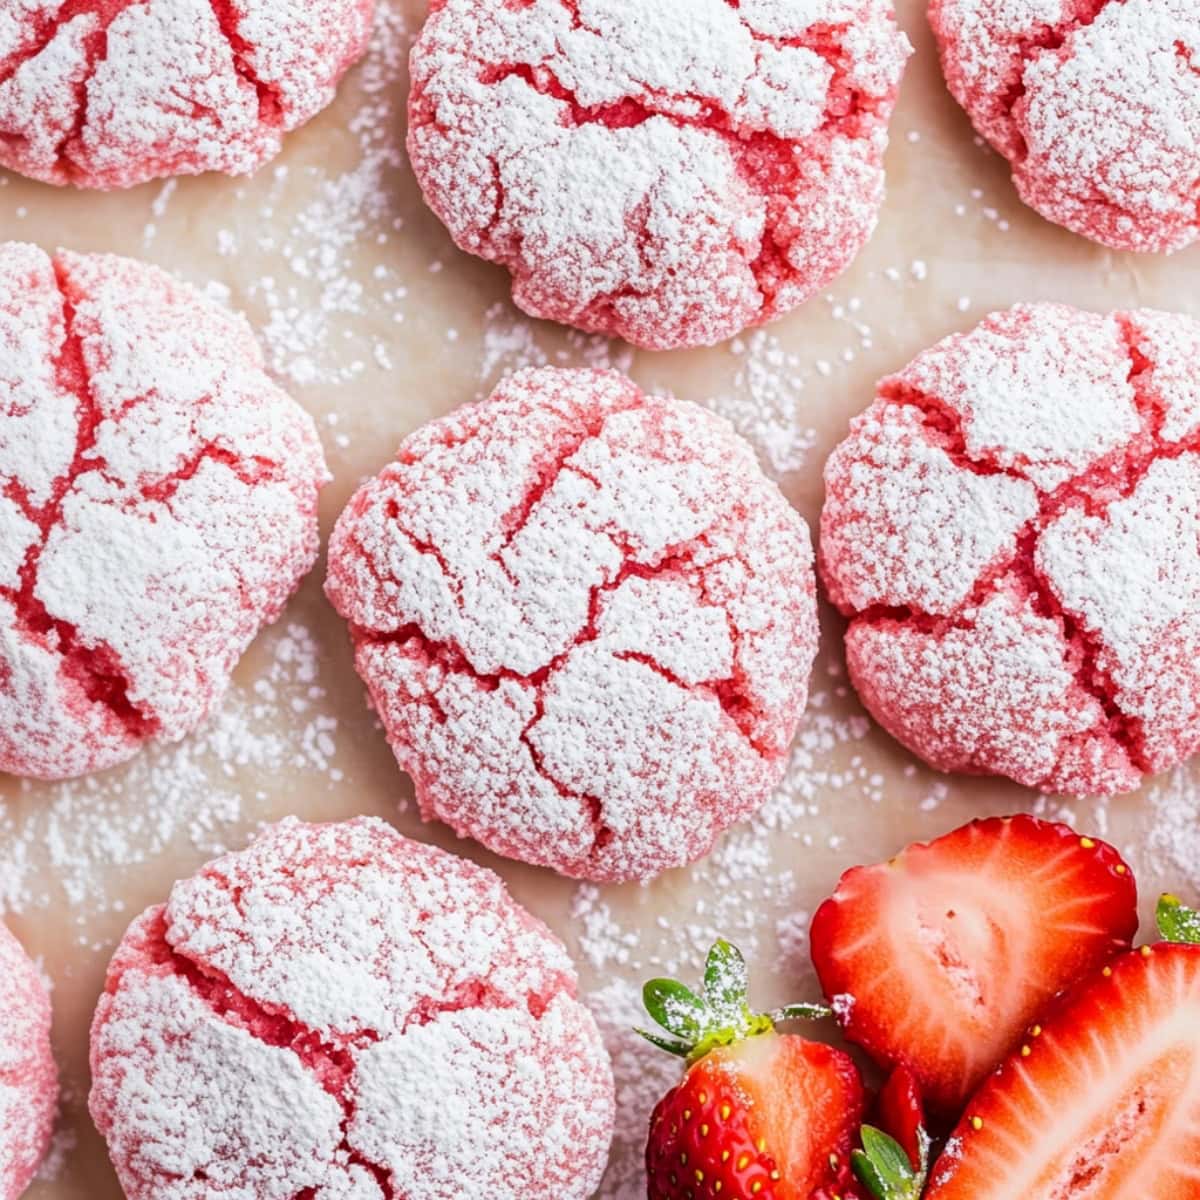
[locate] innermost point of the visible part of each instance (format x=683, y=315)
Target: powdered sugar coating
x=111, y=93
x=668, y=171
x=1095, y=102
x=28, y=1077
x=340, y=1013
x=586, y=619
x=159, y=505
x=1014, y=530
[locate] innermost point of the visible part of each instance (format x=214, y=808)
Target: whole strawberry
x=758, y=1115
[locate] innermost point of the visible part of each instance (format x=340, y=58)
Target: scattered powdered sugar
x=642, y=1079
x=340, y=1011
x=1173, y=839
x=669, y=171
x=765, y=404
x=88, y=831
x=511, y=343
x=351, y=213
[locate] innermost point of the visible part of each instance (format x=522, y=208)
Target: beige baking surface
x=378, y=323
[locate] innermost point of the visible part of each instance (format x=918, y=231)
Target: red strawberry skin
x=901, y=1113
x=939, y=958
x=1101, y=1102
x=771, y=1118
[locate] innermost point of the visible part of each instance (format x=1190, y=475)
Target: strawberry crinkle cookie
x=587, y=621
x=338, y=1013
x=111, y=93
x=158, y=505
x=1096, y=103
x=1013, y=529
x=667, y=171
x=28, y=1076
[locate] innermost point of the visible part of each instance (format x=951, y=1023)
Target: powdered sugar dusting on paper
x=350, y=212
x=339, y=1010
x=90, y=831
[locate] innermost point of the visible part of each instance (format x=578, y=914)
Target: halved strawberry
x=939, y=958
x=1102, y=1100
x=759, y=1115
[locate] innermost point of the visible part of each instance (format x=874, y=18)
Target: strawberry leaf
x=679, y=1049
x=726, y=980
x=883, y=1167
x=801, y=1012
x=1177, y=922
x=721, y=1015
x=677, y=1009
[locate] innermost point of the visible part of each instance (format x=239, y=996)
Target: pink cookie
x=1096, y=103
x=158, y=505
x=1013, y=529
x=667, y=171
x=28, y=1077
x=111, y=93
x=586, y=619
x=338, y=1013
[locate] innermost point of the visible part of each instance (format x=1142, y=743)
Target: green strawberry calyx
x=720, y=1015
x=1177, y=922
x=884, y=1168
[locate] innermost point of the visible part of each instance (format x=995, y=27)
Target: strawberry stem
x=721, y=1015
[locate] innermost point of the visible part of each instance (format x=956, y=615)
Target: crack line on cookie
x=1031, y=46
x=97, y=668
x=270, y=96
x=242, y=1011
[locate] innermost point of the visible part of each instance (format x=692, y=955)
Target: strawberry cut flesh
x=1103, y=1104
x=937, y=960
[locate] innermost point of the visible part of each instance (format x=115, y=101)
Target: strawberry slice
x=938, y=959
x=1101, y=1101
x=758, y=1115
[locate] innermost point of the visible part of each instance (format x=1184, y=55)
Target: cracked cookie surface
x=338, y=1013
x=158, y=506
x=112, y=93
x=667, y=171
x=587, y=621
x=28, y=1076
x=1013, y=530
x=1096, y=103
